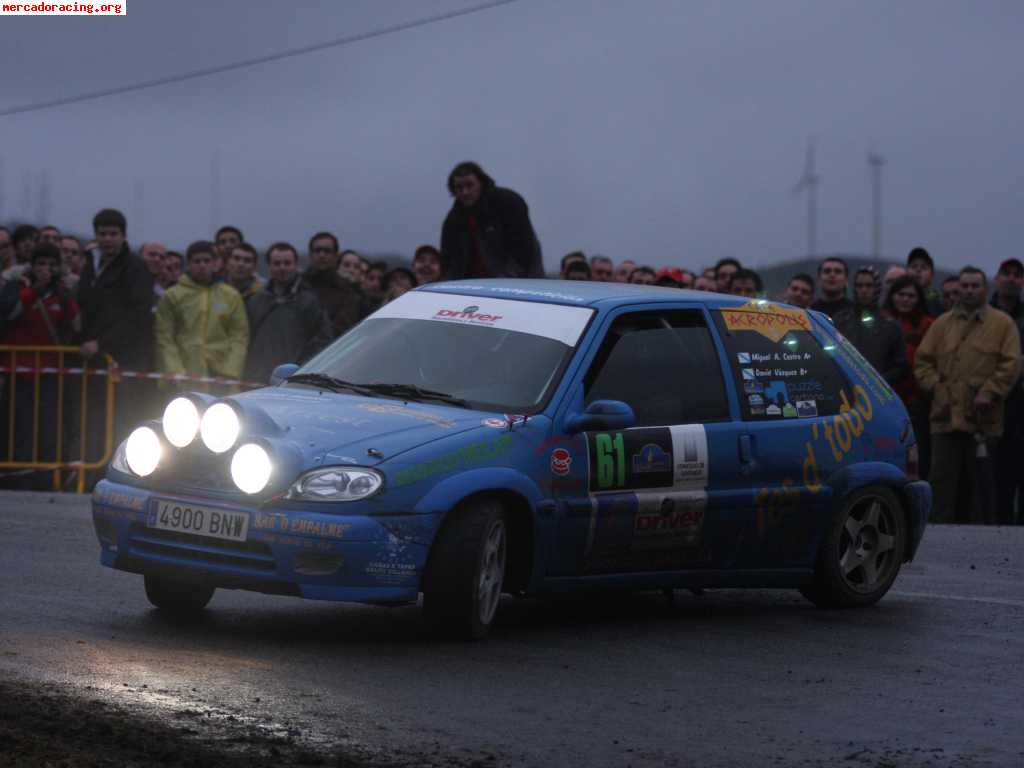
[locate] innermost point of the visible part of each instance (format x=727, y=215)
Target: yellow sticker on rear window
x=769, y=320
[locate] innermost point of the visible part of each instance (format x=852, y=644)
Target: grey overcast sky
x=670, y=132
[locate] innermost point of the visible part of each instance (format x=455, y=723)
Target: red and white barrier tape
x=119, y=374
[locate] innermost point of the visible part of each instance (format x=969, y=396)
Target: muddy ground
x=51, y=725
x=43, y=724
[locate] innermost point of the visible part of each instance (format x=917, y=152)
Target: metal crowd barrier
x=15, y=374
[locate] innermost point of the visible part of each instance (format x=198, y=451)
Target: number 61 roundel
x=649, y=457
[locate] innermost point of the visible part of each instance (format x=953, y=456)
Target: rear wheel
x=177, y=597
x=862, y=553
x=464, y=579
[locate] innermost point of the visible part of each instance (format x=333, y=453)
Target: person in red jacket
x=36, y=311
x=907, y=304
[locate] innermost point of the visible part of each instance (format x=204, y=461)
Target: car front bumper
x=303, y=552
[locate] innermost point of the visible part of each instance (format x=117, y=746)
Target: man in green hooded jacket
x=201, y=325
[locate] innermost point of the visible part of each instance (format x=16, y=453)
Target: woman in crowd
x=906, y=304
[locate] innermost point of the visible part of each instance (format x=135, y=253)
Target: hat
x=674, y=274
x=1015, y=263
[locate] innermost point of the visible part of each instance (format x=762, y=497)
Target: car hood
x=331, y=427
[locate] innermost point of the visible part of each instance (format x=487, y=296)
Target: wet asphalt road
x=933, y=675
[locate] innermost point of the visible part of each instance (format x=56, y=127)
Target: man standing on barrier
x=487, y=232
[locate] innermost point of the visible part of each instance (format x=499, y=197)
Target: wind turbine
x=809, y=182
x=876, y=162
x=215, y=192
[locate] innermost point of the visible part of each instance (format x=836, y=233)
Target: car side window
x=664, y=365
x=779, y=368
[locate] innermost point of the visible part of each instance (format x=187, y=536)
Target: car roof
x=580, y=292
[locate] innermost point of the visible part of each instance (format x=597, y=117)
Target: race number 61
x=611, y=460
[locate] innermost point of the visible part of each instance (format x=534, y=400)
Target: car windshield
x=494, y=354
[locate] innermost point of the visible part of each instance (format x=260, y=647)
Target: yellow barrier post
x=82, y=464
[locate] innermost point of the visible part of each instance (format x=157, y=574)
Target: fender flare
x=848, y=479
x=446, y=495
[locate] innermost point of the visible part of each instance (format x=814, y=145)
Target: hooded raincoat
x=202, y=330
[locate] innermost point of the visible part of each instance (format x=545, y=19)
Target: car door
x=791, y=394
x=643, y=502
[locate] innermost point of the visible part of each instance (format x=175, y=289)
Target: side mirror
x=601, y=415
x=282, y=372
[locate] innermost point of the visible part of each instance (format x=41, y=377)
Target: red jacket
x=27, y=323
x=913, y=333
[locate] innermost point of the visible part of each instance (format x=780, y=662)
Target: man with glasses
x=833, y=274
x=339, y=298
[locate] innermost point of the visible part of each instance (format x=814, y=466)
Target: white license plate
x=185, y=517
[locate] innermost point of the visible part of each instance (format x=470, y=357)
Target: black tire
x=466, y=572
x=177, y=597
x=862, y=552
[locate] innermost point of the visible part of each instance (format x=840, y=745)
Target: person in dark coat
x=115, y=294
x=286, y=322
x=833, y=274
x=340, y=299
x=487, y=232
x=878, y=338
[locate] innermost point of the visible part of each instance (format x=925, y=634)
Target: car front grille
x=254, y=556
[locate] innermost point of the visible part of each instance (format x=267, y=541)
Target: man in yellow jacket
x=968, y=362
x=201, y=325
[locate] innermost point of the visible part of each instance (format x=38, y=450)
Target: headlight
x=181, y=422
x=251, y=468
x=142, y=451
x=219, y=427
x=336, y=484
x=119, y=462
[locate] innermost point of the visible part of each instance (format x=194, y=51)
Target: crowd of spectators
x=951, y=353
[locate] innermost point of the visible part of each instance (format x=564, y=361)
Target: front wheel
x=862, y=552
x=177, y=597
x=463, y=582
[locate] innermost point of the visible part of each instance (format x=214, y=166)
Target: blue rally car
x=477, y=438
